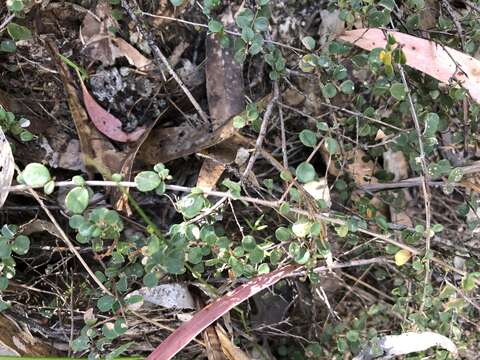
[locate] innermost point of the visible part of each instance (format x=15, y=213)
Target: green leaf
x=190, y=206
x=331, y=145
x=245, y=18
x=329, y=90
x=305, y=172
x=3, y=283
x=150, y=280
x=347, y=87
x=77, y=200
x=5, y=249
x=176, y=2
x=8, y=46
x=387, y=4
x=36, y=175
x=249, y=243
x=195, y=255
x=282, y=234
x=105, y=303
x=19, y=32
x=239, y=122
x=261, y=24
x=147, y=181
x=301, y=228
x=49, y=187
x=468, y=282
x=353, y=336
x=299, y=254
x=215, y=26
x=432, y=121
x=309, y=42
x=108, y=330
x=263, y=269
x=397, y=90
x=256, y=255
x=378, y=18
x=21, y=245
x=15, y=5
x=455, y=175
x=308, y=138
x=81, y=343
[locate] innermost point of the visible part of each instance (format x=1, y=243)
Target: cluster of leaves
x=16, y=127
x=17, y=33
x=11, y=242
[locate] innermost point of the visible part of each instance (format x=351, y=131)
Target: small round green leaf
x=347, y=87
x=331, y=145
x=77, y=200
x=305, y=172
x=215, y=26
x=308, y=138
x=105, y=303
x=36, y=175
x=176, y=2
x=329, y=90
x=308, y=42
x=249, y=243
x=147, y=181
x=21, y=245
x=397, y=90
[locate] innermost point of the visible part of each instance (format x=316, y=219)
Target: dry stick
x=158, y=55
x=266, y=203
x=6, y=22
x=261, y=136
x=425, y=180
x=276, y=92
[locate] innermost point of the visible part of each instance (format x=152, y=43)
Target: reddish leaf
x=106, y=123
x=441, y=62
x=187, y=331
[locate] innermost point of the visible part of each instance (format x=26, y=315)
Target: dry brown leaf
x=133, y=56
x=213, y=346
x=102, y=45
x=210, y=173
x=7, y=166
x=441, y=62
x=233, y=352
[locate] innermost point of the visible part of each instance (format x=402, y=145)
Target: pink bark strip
x=441, y=62
x=205, y=317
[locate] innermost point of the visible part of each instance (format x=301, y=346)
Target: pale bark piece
x=406, y=343
x=441, y=62
x=233, y=352
x=210, y=313
x=209, y=175
x=170, y=296
x=7, y=166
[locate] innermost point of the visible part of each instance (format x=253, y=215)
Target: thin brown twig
x=261, y=137
x=425, y=177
